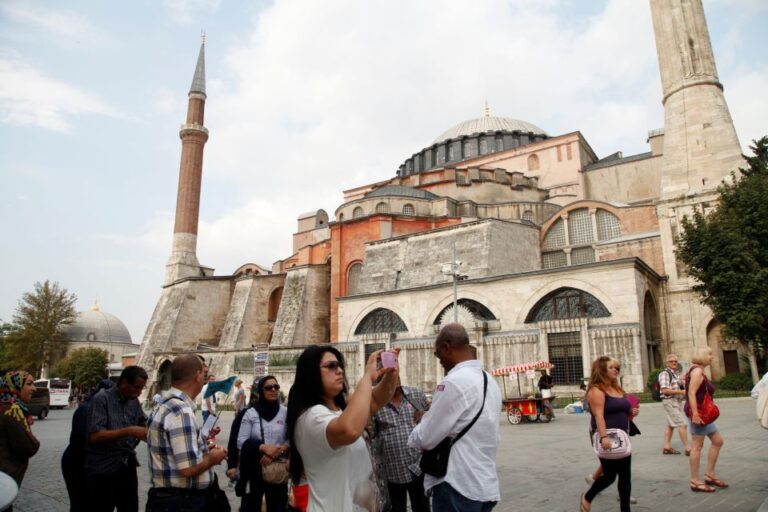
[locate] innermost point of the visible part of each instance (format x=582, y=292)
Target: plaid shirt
x=393, y=426
x=174, y=443
x=670, y=379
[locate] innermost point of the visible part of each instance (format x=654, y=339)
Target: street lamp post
x=452, y=269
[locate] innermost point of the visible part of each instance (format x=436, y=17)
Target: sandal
x=700, y=487
x=582, y=508
x=687, y=453
x=715, y=482
x=670, y=451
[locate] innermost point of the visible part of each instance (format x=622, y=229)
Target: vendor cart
x=529, y=408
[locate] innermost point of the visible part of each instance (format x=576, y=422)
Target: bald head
x=184, y=368
x=452, y=346
x=453, y=334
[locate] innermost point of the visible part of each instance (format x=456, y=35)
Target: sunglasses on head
x=271, y=387
x=333, y=365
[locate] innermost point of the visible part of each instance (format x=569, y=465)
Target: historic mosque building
x=565, y=255
x=95, y=328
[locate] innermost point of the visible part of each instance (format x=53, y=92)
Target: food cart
x=530, y=408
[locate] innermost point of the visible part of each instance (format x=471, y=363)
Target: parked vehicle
x=40, y=403
x=60, y=391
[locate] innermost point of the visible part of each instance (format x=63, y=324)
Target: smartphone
x=388, y=360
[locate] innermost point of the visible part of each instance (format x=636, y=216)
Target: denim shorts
x=702, y=430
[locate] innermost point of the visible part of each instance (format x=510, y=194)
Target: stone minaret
x=183, y=261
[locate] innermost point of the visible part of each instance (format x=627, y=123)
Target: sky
x=305, y=99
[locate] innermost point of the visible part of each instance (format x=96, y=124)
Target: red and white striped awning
x=522, y=367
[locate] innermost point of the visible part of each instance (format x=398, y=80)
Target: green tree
x=5, y=331
x=727, y=251
x=38, y=334
x=85, y=367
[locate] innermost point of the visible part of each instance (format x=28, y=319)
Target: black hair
x=131, y=373
x=306, y=392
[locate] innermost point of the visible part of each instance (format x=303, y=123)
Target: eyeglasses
x=272, y=387
x=333, y=366
x=672, y=361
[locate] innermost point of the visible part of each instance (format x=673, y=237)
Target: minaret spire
x=183, y=261
x=487, y=109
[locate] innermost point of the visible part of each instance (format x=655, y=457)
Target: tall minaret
x=700, y=143
x=183, y=261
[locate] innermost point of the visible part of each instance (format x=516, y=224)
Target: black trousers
x=119, y=490
x=276, y=494
x=611, y=469
x=414, y=489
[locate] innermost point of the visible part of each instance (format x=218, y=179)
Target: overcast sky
x=305, y=99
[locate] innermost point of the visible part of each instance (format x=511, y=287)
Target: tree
x=85, y=367
x=727, y=251
x=38, y=334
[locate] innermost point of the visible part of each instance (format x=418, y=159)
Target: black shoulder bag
x=435, y=461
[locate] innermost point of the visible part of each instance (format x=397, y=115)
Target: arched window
x=533, y=162
x=274, y=304
x=468, y=149
x=607, y=225
x=555, y=237
x=477, y=310
x=408, y=209
x=483, y=147
x=567, y=303
x=381, y=321
x=652, y=327
x=353, y=278
x=451, y=153
x=382, y=208
x=341, y=217
x=499, y=145
x=357, y=212
x=528, y=215
x=580, y=227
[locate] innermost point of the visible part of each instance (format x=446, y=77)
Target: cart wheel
x=532, y=417
x=544, y=417
x=514, y=416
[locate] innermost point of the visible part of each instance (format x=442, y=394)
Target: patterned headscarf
x=10, y=396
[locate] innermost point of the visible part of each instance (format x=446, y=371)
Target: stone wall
x=303, y=317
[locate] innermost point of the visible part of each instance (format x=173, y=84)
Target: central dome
x=488, y=124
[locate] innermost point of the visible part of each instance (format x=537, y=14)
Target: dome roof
x=488, y=124
x=97, y=325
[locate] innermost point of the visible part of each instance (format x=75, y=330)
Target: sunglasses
x=333, y=366
x=272, y=387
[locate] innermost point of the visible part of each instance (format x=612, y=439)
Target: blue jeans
x=446, y=499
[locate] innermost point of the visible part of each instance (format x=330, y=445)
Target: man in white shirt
x=471, y=483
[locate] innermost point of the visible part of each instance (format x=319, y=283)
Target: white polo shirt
x=455, y=402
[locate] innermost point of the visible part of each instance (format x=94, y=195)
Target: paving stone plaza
x=541, y=466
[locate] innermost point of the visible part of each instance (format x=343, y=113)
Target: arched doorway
x=652, y=328
x=727, y=351
x=164, y=376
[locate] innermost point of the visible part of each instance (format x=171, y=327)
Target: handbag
x=277, y=471
x=708, y=411
x=434, y=462
x=762, y=408
x=620, y=444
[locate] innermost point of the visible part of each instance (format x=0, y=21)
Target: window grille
x=554, y=259
x=370, y=348
x=353, y=278
x=381, y=321
x=580, y=227
x=483, y=147
x=451, y=155
x=567, y=303
x=408, y=209
x=582, y=255
x=528, y=215
x=499, y=145
x=357, y=213
x=478, y=310
x=382, y=208
x=467, y=149
x=555, y=236
x=607, y=225
x=565, y=354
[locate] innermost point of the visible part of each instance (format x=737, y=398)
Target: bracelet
x=603, y=437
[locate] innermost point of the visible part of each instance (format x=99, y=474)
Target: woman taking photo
x=698, y=386
x=17, y=444
x=325, y=429
x=610, y=409
x=261, y=440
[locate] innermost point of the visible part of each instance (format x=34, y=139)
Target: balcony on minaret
x=190, y=128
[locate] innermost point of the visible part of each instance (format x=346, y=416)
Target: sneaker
x=632, y=499
x=589, y=479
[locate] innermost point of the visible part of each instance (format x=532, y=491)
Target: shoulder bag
x=276, y=472
x=620, y=444
x=435, y=461
x=708, y=411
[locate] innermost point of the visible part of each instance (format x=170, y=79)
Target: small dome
x=488, y=124
x=96, y=325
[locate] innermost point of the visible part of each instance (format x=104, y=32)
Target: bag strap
x=261, y=425
x=482, y=406
x=417, y=407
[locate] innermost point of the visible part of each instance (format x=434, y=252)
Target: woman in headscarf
x=73, y=459
x=261, y=440
x=17, y=444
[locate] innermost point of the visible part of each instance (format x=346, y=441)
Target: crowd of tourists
x=375, y=449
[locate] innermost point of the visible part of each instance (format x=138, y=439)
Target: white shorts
x=674, y=409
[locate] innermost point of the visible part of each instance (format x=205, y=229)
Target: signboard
x=531, y=374
x=260, y=361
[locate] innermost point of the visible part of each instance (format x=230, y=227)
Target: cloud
x=66, y=26
x=184, y=11
x=745, y=93
x=154, y=237
x=28, y=97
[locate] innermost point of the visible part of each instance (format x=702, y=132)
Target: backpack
x=656, y=388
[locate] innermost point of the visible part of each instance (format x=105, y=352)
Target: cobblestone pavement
x=541, y=466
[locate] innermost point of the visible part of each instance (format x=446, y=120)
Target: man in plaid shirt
x=179, y=461
x=672, y=387
x=392, y=424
